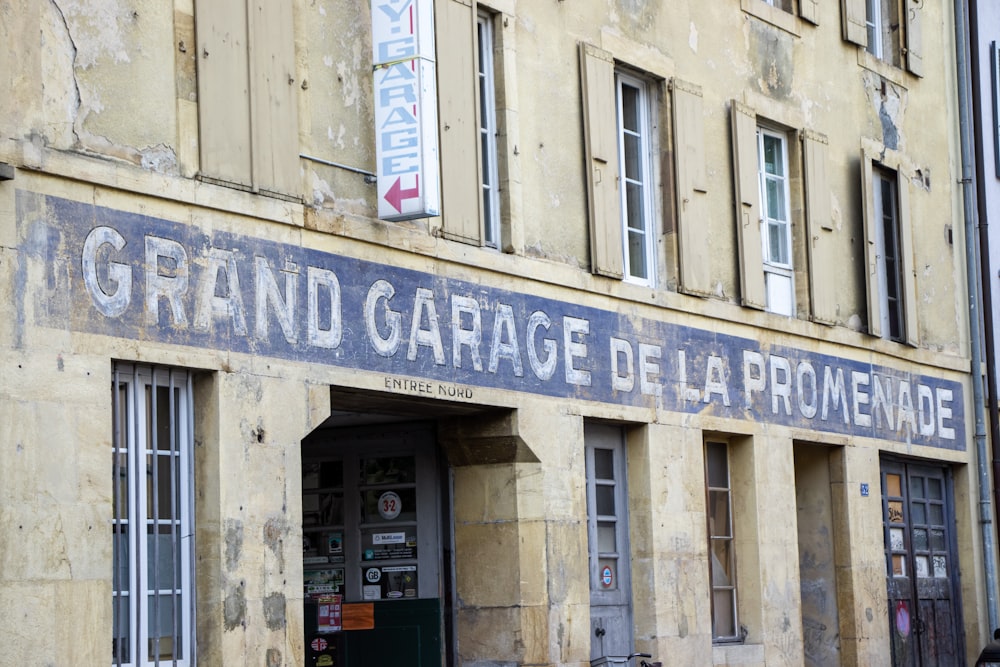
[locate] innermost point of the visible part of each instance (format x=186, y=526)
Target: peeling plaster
x=274, y=611
x=693, y=38
x=235, y=606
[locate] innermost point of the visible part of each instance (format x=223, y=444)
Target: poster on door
x=390, y=583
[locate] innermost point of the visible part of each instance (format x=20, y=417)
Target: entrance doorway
x=607, y=528
x=372, y=554
x=920, y=550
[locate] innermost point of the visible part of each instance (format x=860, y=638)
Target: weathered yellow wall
x=100, y=106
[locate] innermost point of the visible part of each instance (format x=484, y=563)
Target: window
x=888, y=265
x=890, y=276
x=882, y=24
x=780, y=4
x=248, y=123
x=889, y=30
x=620, y=138
x=477, y=118
x=153, y=589
x=772, y=153
x=634, y=128
x=488, y=132
x=721, y=543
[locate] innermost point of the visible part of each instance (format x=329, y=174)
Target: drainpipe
x=971, y=261
x=986, y=273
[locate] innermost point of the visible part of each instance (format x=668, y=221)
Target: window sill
x=738, y=654
x=888, y=72
x=779, y=18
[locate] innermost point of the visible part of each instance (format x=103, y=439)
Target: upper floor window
x=882, y=21
x=890, y=30
x=776, y=232
x=634, y=130
x=620, y=126
x=781, y=4
x=888, y=265
x=488, y=132
x=890, y=276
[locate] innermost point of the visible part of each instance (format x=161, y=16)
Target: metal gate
x=924, y=611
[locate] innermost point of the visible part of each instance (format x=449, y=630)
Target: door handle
x=599, y=631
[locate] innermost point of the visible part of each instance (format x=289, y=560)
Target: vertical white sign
x=405, y=109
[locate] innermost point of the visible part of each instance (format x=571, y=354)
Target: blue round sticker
x=606, y=577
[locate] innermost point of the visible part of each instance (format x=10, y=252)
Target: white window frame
x=722, y=534
x=642, y=235
x=779, y=278
x=887, y=238
x=873, y=25
x=488, y=130
x=136, y=402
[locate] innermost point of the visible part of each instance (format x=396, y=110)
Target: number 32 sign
x=389, y=505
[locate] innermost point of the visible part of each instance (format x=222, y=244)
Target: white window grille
x=153, y=526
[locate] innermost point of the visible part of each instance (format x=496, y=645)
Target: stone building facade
x=519, y=332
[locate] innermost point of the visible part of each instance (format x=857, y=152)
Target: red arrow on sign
x=397, y=194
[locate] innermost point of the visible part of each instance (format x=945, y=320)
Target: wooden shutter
x=855, y=21
x=746, y=178
x=819, y=226
x=597, y=80
x=275, y=117
x=908, y=270
x=809, y=10
x=458, y=120
x=871, y=247
x=914, y=36
x=224, y=90
x=691, y=176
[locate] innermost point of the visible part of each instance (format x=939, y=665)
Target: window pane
x=778, y=243
x=722, y=563
x=918, y=513
x=633, y=157
x=921, y=567
x=637, y=255
x=917, y=487
x=895, y=511
x=898, y=566
x=630, y=107
x=604, y=464
x=937, y=515
x=937, y=540
x=164, y=617
x=166, y=505
x=896, y=539
x=892, y=485
x=605, y=496
x=773, y=159
x=606, y=542
x=940, y=566
x=163, y=561
x=934, y=489
x=389, y=470
x=775, y=208
x=724, y=614
x=121, y=558
x=718, y=469
x=920, y=539
x=122, y=630
x=718, y=513
x=633, y=194
x=385, y=505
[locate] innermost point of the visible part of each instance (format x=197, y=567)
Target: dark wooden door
x=918, y=519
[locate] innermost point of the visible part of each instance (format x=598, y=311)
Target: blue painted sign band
x=122, y=274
